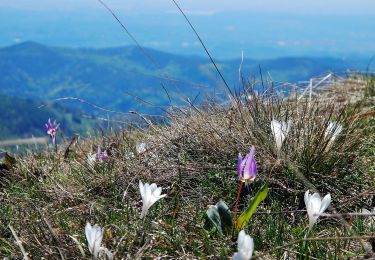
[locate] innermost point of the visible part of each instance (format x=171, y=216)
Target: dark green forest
x=122, y=79
x=22, y=118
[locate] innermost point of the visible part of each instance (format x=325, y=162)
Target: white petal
x=141, y=189
x=146, y=187
x=153, y=187
x=240, y=240
x=279, y=131
x=144, y=210
x=248, y=250
x=90, y=237
x=98, y=240
x=315, y=203
x=150, y=196
x=157, y=192
x=107, y=253
x=276, y=131
x=325, y=203
x=365, y=211
x=162, y=196
x=313, y=209
x=239, y=256
x=307, y=199
x=245, y=246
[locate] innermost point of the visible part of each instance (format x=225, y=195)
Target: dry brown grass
x=49, y=197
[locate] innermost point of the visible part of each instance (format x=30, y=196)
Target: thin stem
x=19, y=243
x=237, y=201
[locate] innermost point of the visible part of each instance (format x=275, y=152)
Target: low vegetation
x=47, y=198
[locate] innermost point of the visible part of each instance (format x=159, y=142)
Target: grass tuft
x=48, y=197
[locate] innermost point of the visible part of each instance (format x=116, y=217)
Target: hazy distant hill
x=112, y=77
x=20, y=118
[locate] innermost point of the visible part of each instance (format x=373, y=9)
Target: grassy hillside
x=113, y=77
x=47, y=198
x=21, y=118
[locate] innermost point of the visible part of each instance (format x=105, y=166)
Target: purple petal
x=250, y=158
x=239, y=163
x=250, y=169
x=242, y=166
x=252, y=152
x=253, y=169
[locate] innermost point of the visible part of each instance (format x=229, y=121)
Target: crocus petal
x=252, y=152
x=247, y=168
x=315, y=206
x=150, y=194
x=245, y=247
x=239, y=164
x=153, y=187
x=365, y=211
x=242, y=166
x=140, y=148
x=94, y=236
x=277, y=133
x=157, y=192
x=141, y=189
x=307, y=195
x=325, y=203
x=98, y=240
x=89, y=236
x=315, y=203
x=249, y=160
x=241, y=240
x=253, y=169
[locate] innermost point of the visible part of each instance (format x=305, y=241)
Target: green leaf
x=248, y=213
x=226, y=216
x=214, y=216
x=221, y=217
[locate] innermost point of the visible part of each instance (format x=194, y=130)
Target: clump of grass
x=48, y=197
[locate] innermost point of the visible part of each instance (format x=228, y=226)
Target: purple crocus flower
x=101, y=156
x=247, y=167
x=52, y=129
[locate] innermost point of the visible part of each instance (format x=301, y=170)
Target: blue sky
x=261, y=29
x=208, y=6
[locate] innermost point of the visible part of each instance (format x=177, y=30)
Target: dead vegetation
x=48, y=197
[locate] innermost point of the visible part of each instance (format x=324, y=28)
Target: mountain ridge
x=111, y=77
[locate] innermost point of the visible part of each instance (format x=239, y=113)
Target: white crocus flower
x=279, y=131
x=94, y=236
x=105, y=252
x=140, y=148
x=150, y=194
x=315, y=206
x=245, y=247
x=333, y=130
x=371, y=222
x=91, y=158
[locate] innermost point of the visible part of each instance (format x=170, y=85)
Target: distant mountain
x=262, y=35
x=114, y=77
x=22, y=118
